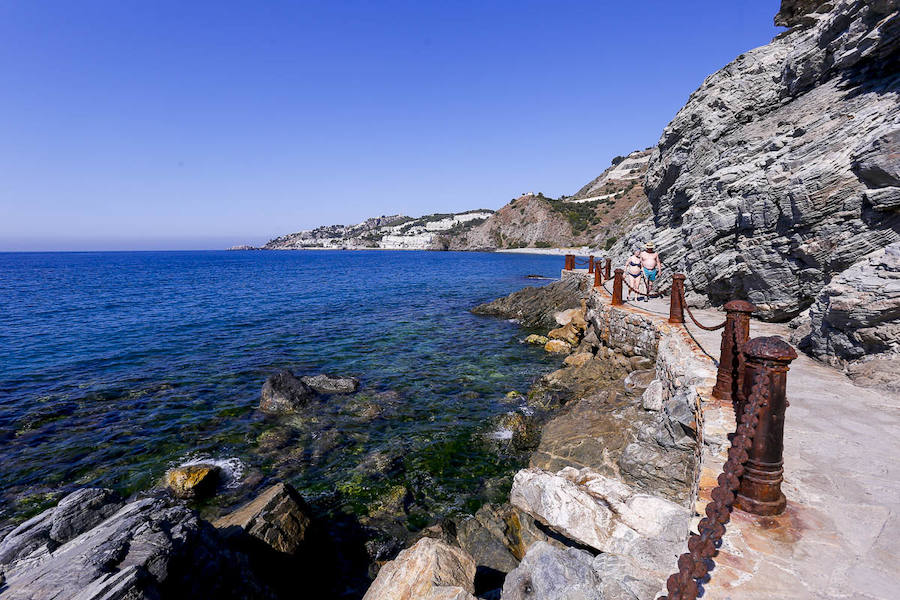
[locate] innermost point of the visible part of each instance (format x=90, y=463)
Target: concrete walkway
x=840, y=535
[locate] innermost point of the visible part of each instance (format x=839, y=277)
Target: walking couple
x=642, y=266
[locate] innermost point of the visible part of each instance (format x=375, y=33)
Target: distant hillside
x=597, y=215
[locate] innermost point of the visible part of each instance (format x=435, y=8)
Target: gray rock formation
x=147, y=549
x=278, y=517
x=284, y=393
x=331, y=384
x=782, y=170
x=537, y=306
x=855, y=321
x=550, y=573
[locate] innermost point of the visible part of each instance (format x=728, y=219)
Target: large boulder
x=284, y=393
x=278, y=517
x=782, y=169
x=331, y=384
x=147, y=549
x=429, y=570
x=550, y=573
x=604, y=514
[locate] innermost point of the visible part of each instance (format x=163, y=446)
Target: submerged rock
x=191, y=482
x=284, y=393
x=429, y=570
x=278, y=517
x=331, y=384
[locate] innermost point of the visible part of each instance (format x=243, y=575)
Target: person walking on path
x=633, y=273
x=650, y=265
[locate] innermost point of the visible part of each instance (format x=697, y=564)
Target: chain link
x=694, y=319
x=694, y=564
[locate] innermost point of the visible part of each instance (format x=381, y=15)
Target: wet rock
x=274, y=439
x=604, y=513
x=557, y=347
x=517, y=429
x=147, y=546
x=331, y=384
x=391, y=503
x=567, y=333
x=537, y=340
x=536, y=307
x=191, y=482
x=283, y=393
x=429, y=570
x=278, y=517
x=550, y=573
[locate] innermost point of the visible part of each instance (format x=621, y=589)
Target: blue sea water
x=116, y=366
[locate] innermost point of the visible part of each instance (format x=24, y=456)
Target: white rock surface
x=603, y=513
x=430, y=569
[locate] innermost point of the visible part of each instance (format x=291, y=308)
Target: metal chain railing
x=687, y=308
x=694, y=564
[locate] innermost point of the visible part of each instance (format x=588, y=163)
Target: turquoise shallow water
x=116, y=366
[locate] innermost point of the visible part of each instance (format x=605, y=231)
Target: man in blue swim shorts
x=650, y=266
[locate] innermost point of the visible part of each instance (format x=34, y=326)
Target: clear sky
x=172, y=124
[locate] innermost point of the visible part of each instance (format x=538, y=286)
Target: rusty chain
x=694, y=319
x=694, y=565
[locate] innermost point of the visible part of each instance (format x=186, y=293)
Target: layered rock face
x=783, y=168
x=855, y=321
x=93, y=547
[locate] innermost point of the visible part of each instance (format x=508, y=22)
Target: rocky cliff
x=783, y=168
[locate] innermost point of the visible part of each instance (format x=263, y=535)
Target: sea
x=116, y=366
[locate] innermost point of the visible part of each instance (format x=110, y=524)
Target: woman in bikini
x=633, y=272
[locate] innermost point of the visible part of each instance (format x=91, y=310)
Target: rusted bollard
x=598, y=277
x=617, y=288
x=737, y=326
x=760, y=489
x=591, y=263
x=570, y=262
x=676, y=306
x=607, y=265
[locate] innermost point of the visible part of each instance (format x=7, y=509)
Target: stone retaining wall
x=683, y=370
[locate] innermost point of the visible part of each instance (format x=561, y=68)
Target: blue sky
x=127, y=124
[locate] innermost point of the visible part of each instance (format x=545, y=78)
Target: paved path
x=840, y=536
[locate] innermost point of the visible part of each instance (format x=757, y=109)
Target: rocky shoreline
x=94, y=544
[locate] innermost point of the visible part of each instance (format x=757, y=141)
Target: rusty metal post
x=760, y=489
x=737, y=327
x=570, y=262
x=607, y=265
x=591, y=263
x=676, y=306
x=598, y=276
x=617, y=288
